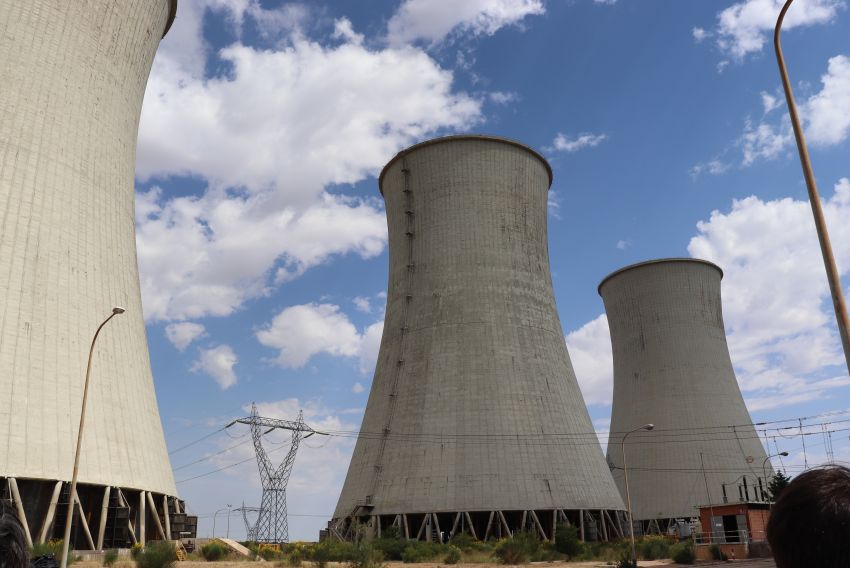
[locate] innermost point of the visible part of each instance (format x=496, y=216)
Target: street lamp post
x=69, y=517
x=214, y=516
x=814, y=199
x=648, y=428
x=228, y=521
x=764, y=470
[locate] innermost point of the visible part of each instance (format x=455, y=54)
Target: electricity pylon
x=250, y=528
x=272, y=524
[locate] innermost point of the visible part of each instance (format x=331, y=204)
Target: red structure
x=739, y=529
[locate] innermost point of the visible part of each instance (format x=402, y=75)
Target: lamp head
x=648, y=427
x=784, y=454
x=118, y=310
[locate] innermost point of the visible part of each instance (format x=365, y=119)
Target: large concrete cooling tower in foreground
x=475, y=421
x=672, y=369
x=73, y=76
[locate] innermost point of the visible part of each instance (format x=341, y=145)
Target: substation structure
x=475, y=421
x=74, y=77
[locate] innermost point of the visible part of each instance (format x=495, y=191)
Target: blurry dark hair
x=13, y=544
x=810, y=523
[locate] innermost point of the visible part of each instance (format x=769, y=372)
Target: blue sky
x=262, y=239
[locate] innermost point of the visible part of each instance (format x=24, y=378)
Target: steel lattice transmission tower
x=272, y=525
x=250, y=528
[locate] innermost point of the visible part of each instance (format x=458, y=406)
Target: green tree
x=777, y=483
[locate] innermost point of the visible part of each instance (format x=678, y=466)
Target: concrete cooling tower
x=475, y=421
x=73, y=76
x=672, y=369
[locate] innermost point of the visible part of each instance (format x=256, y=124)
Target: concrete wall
x=473, y=382
x=672, y=369
x=73, y=75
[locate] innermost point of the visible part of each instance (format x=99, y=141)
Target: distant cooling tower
x=73, y=76
x=475, y=421
x=672, y=369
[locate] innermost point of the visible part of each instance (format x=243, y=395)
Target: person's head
x=13, y=544
x=810, y=523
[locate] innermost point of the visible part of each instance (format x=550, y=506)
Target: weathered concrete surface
x=73, y=76
x=474, y=405
x=672, y=369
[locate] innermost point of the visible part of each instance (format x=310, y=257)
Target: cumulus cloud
x=304, y=331
x=358, y=388
x=433, y=20
x=218, y=363
x=183, y=333
x=700, y=34
x=778, y=316
x=590, y=353
x=744, y=28
x=825, y=116
x=563, y=143
x=268, y=135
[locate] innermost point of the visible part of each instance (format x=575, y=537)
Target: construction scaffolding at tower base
x=593, y=524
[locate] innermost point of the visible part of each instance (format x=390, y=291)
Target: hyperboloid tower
x=73, y=76
x=672, y=369
x=475, y=421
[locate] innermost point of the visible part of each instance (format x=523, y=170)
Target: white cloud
x=590, y=353
x=713, y=167
x=503, y=98
x=825, y=117
x=301, y=332
x=700, y=34
x=765, y=141
x=585, y=140
x=362, y=304
x=218, y=363
x=778, y=316
x=358, y=388
x=434, y=20
x=268, y=135
x=828, y=112
x=770, y=102
x=183, y=333
x=744, y=28
x=623, y=244
x=608, y=2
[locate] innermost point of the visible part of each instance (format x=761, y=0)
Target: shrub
x=683, y=553
x=213, y=551
x=135, y=551
x=366, y=556
x=567, y=540
x=716, y=553
x=453, y=555
x=466, y=543
x=418, y=551
x=625, y=560
x=52, y=548
x=517, y=550
x=294, y=557
x=391, y=545
x=653, y=547
x=157, y=554
x=109, y=557
x=332, y=551
x=546, y=552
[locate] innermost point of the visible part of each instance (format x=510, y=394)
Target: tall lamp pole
x=69, y=517
x=648, y=428
x=817, y=209
x=228, y=521
x=764, y=469
x=214, y=516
